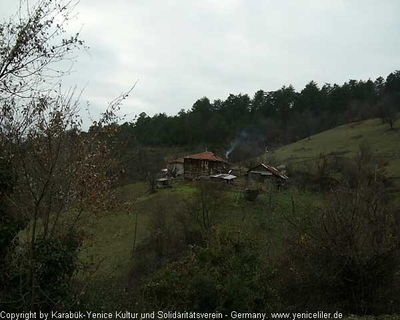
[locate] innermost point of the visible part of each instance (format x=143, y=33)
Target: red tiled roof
x=208, y=155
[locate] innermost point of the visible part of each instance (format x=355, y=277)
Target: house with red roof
x=203, y=165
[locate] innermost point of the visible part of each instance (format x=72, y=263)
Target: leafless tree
x=62, y=174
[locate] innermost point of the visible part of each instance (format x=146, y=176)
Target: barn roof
x=208, y=155
x=270, y=169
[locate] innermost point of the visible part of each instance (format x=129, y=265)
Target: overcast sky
x=183, y=50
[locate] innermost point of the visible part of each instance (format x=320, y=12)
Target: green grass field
x=345, y=140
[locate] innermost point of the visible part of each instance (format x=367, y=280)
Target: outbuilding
x=264, y=172
x=228, y=178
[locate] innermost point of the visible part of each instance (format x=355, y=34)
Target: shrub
x=54, y=262
x=206, y=207
x=226, y=274
x=346, y=256
x=170, y=231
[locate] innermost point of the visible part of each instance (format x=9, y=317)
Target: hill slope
x=345, y=140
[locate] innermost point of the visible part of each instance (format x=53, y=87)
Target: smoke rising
x=243, y=135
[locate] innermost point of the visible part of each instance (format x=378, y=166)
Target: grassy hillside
x=345, y=140
x=113, y=234
x=110, y=237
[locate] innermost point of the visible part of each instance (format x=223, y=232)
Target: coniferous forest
x=270, y=118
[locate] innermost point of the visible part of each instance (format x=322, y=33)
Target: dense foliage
x=55, y=262
x=225, y=274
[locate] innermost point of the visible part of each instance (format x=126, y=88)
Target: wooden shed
x=264, y=172
x=203, y=165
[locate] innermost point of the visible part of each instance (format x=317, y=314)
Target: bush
x=316, y=176
x=346, y=256
x=46, y=284
x=170, y=231
x=174, y=226
x=206, y=208
x=226, y=274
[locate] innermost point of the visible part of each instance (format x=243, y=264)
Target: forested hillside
x=270, y=118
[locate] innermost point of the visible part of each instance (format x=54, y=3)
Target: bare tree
x=61, y=173
x=63, y=176
x=32, y=43
x=388, y=111
x=205, y=208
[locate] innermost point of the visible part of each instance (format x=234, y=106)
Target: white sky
x=182, y=50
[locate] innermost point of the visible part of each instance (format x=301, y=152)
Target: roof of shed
x=208, y=155
x=268, y=168
x=224, y=176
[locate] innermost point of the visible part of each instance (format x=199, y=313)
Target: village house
x=265, y=173
x=203, y=164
